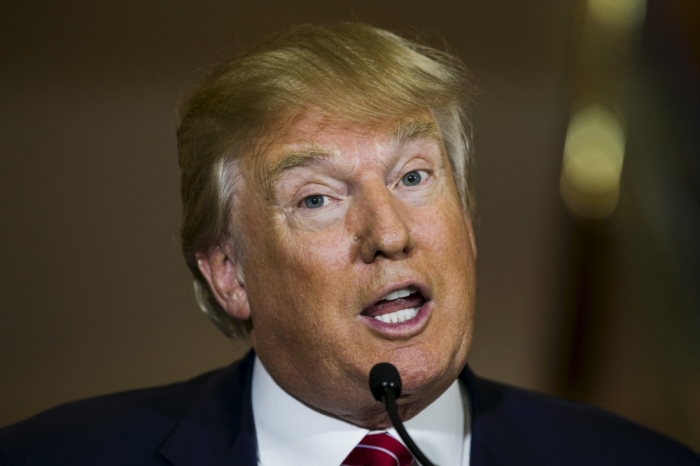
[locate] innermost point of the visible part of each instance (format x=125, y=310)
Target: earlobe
x=226, y=281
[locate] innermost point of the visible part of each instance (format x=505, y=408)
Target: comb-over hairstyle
x=350, y=71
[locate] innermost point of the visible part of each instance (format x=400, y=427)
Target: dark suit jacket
x=209, y=421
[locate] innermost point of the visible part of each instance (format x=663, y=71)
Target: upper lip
x=385, y=290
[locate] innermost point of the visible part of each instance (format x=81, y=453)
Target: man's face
x=337, y=219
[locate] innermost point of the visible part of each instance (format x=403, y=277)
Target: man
x=327, y=218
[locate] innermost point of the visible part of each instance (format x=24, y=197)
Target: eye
x=413, y=178
x=315, y=201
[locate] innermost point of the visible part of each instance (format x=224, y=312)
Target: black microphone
x=385, y=385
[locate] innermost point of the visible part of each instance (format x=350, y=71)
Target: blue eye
x=412, y=178
x=315, y=201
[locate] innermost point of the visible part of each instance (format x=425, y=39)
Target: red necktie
x=379, y=450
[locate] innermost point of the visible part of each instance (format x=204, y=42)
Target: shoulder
x=511, y=422
x=122, y=428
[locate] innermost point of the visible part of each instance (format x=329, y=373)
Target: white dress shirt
x=290, y=433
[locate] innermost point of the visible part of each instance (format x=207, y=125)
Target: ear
x=470, y=230
x=226, y=281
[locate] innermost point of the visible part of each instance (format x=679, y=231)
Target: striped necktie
x=379, y=449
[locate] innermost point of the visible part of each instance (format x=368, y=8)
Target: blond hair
x=353, y=71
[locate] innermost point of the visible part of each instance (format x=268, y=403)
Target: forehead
x=316, y=128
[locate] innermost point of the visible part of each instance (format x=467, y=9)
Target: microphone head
x=384, y=376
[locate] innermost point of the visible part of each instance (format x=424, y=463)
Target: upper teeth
x=402, y=293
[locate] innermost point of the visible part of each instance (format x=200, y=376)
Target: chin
x=424, y=371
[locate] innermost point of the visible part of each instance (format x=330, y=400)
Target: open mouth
x=397, y=306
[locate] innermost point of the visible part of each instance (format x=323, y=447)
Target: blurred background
x=587, y=132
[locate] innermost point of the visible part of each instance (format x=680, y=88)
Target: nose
x=382, y=229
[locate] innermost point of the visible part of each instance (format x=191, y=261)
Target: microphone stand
x=385, y=385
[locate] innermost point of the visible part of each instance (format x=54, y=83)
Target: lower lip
x=402, y=329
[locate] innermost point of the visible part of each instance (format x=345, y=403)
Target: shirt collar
x=287, y=430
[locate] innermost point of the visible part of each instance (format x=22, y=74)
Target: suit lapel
x=496, y=438
x=219, y=428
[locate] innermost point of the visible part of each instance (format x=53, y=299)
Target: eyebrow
x=288, y=162
x=406, y=130
x=403, y=131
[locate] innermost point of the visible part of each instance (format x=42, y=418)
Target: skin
x=305, y=275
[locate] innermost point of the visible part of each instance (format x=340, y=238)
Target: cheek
x=296, y=278
x=443, y=233
x=446, y=245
